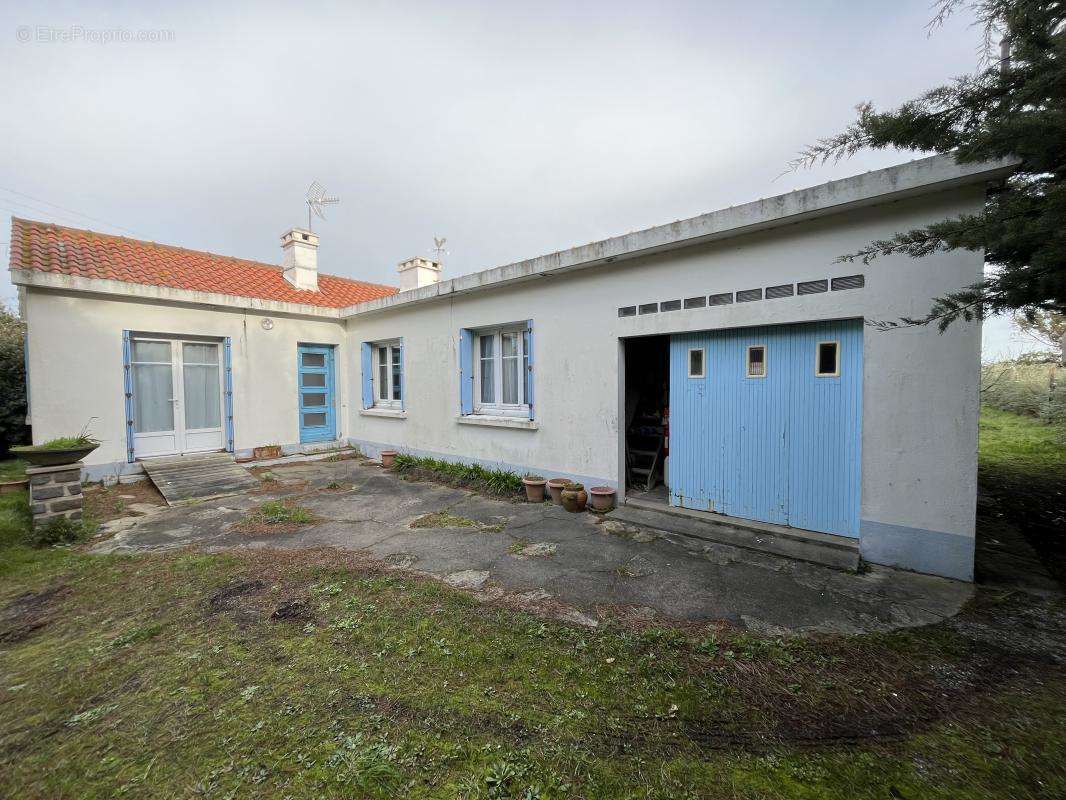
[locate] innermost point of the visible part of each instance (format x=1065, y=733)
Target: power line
x=63, y=218
x=64, y=208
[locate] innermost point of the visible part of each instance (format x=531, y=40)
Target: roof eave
x=924, y=176
x=57, y=281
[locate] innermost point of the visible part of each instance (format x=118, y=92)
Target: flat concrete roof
x=923, y=176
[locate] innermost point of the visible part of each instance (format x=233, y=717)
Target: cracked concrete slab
x=576, y=560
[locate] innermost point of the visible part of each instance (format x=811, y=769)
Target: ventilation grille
x=748, y=295
x=849, y=282
x=812, y=287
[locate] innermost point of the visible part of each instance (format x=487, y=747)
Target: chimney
x=300, y=262
x=418, y=272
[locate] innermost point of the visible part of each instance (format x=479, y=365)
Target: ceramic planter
x=555, y=489
x=574, y=497
x=388, y=458
x=52, y=457
x=268, y=451
x=534, y=488
x=602, y=498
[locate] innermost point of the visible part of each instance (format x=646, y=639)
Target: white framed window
x=827, y=360
x=697, y=367
x=501, y=362
x=388, y=374
x=756, y=361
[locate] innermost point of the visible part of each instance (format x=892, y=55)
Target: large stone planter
x=51, y=457
x=55, y=491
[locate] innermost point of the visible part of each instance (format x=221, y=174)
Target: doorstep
x=839, y=552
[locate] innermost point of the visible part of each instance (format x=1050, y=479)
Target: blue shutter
x=127, y=385
x=368, y=372
x=403, y=378
x=466, y=371
x=529, y=368
x=227, y=366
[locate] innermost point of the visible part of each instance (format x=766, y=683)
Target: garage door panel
x=778, y=444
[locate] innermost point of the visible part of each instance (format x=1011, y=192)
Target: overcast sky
x=514, y=129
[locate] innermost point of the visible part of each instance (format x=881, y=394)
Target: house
x=727, y=355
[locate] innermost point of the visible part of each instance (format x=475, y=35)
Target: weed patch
x=276, y=516
x=494, y=482
x=445, y=519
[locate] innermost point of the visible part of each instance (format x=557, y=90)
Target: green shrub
x=276, y=512
x=58, y=531
x=1035, y=390
x=13, y=428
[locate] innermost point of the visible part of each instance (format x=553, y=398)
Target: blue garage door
x=765, y=424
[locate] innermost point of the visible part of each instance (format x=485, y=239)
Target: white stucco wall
x=920, y=388
x=75, y=367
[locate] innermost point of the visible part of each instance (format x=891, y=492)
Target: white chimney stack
x=418, y=272
x=300, y=263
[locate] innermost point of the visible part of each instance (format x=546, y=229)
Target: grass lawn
x=1023, y=474
x=316, y=674
x=12, y=469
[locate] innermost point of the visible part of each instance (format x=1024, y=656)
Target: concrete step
x=840, y=552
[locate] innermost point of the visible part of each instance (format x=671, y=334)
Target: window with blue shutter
x=367, y=356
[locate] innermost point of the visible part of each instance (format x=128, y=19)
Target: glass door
x=316, y=403
x=155, y=395
x=177, y=397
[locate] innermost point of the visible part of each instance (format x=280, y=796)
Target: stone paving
x=540, y=555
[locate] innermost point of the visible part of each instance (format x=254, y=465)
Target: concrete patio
x=578, y=567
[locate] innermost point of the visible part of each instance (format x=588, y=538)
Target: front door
x=315, y=373
x=177, y=396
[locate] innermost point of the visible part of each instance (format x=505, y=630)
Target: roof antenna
x=316, y=199
x=438, y=247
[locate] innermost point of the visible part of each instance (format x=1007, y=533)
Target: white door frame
x=181, y=439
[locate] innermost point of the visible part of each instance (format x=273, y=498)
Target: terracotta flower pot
x=555, y=489
x=534, y=488
x=574, y=497
x=602, y=498
x=387, y=458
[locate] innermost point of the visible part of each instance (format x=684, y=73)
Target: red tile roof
x=70, y=251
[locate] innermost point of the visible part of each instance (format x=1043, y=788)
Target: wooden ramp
x=195, y=477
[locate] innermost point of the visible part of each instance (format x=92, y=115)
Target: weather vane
x=316, y=200
x=438, y=246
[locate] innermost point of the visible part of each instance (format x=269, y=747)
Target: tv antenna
x=316, y=200
x=438, y=246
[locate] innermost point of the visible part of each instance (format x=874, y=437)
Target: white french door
x=177, y=396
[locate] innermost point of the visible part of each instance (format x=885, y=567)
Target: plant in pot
x=388, y=458
x=555, y=489
x=574, y=497
x=64, y=450
x=534, y=488
x=267, y=451
x=602, y=498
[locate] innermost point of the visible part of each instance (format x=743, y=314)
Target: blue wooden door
x=764, y=435
x=318, y=417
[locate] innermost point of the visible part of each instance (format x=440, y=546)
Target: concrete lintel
x=923, y=176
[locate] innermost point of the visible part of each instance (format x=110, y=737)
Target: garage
x=766, y=424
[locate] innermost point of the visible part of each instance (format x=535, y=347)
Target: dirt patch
x=105, y=503
x=30, y=612
x=292, y=611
